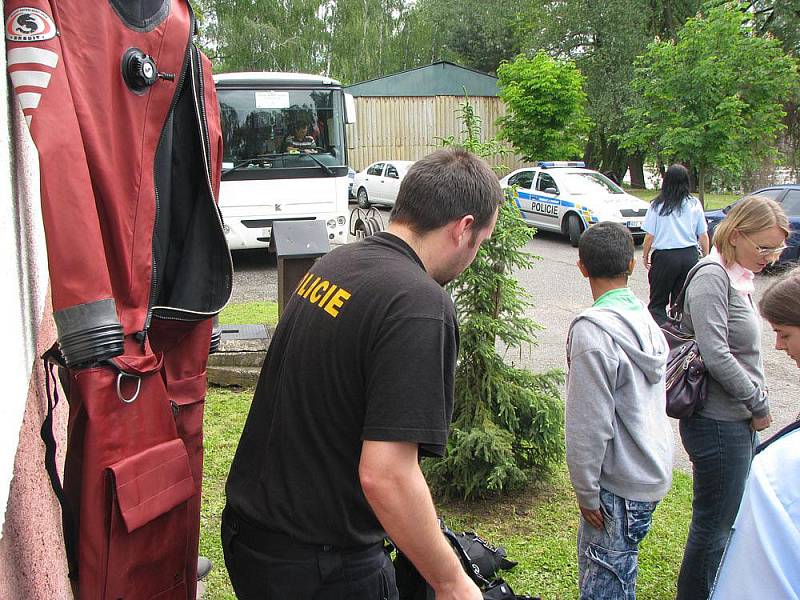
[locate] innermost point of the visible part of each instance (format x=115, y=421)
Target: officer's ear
x=631, y=265
x=462, y=228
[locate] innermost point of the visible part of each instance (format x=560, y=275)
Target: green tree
x=507, y=422
x=604, y=39
x=475, y=33
x=781, y=18
x=367, y=38
x=263, y=35
x=350, y=40
x=714, y=97
x=546, y=107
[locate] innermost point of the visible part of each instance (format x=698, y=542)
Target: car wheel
x=638, y=240
x=574, y=230
x=363, y=198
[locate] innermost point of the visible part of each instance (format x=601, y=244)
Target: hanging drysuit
x=122, y=109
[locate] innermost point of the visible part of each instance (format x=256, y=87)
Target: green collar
x=621, y=298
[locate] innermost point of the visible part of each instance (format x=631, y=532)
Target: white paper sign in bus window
x=272, y=99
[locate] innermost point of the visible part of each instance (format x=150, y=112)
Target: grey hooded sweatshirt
x=617, y=430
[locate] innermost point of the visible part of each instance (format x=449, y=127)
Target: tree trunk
x=701, y=185
x=588, y=152
x=605, y=155
x=694, y=177
x=636, y=169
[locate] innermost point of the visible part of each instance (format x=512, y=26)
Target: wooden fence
x=409, y=127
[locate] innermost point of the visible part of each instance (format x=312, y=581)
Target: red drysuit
x=122, y=109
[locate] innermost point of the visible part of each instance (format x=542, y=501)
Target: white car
x=566, y=197
x=380, y=182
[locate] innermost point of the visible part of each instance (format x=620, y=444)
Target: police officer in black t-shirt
x=357, y=384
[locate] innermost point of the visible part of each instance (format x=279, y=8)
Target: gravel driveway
x=559, y=293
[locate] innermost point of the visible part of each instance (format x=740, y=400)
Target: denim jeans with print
x=608, y=558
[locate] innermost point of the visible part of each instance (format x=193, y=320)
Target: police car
x=566, y=197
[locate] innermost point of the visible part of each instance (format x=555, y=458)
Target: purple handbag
x=687, y=377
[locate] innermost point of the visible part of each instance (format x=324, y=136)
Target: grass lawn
x=249, y=312
x=713, y=201
x=537, y=526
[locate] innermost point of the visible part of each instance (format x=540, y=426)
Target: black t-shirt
x=365, y=350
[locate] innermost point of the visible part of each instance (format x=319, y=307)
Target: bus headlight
x=341, y=220
x=331, y=223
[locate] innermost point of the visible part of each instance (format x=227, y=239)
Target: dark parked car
x=788, y=196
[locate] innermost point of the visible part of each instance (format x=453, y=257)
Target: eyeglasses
x=762, y=250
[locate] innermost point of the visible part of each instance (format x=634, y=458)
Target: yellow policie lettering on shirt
x=321, y=292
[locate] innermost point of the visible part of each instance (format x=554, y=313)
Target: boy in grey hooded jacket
x=619, y=440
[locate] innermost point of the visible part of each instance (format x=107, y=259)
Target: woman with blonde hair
x=720, y=437
x=763, y=554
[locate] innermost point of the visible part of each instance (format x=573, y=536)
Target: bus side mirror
x=349, y=109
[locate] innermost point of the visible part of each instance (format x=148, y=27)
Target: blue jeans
x=608, y=558
x=721, y=452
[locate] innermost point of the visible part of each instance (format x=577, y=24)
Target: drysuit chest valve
x=138, y=70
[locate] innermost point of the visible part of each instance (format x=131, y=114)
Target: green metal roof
x=438, y=79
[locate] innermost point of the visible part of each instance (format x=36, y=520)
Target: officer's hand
x=463, y=588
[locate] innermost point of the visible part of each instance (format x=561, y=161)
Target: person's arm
x=589, y=416
x=707, y=302
x=649, y=227
x=648, y=243
x=705, y=244
x=399, y=496
x=701, y=229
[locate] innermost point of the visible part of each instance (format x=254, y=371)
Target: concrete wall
x=32, y=561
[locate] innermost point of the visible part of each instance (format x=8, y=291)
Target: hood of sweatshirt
x=636, y=334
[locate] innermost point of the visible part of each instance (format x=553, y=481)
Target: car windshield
x=268, y=129
x=589, y=183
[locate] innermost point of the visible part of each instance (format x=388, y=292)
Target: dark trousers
x=267, y=566
x=721, y=452
x=668, y=270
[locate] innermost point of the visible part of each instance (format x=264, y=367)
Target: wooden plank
x=407, y=128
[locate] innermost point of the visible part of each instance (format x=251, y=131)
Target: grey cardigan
x=727, y=328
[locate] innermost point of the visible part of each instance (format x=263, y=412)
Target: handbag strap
x=676, y=309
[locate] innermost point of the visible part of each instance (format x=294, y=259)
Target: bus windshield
x=266, y=130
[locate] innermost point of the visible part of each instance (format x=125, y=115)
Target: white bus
x=285, y=154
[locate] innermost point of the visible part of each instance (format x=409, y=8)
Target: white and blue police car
x=566, y=197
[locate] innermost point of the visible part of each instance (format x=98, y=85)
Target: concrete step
x=237, y=359
x=233, y=376
x=241, y=353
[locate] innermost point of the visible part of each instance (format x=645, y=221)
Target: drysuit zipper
x=142, y=335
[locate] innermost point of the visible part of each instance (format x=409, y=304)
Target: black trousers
x=668, y=270
x=267, y=566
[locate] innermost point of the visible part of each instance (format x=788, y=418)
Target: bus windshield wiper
x=326, y=168
x=248, y=161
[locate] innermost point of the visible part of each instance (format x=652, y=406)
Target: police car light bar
x=561, y=163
